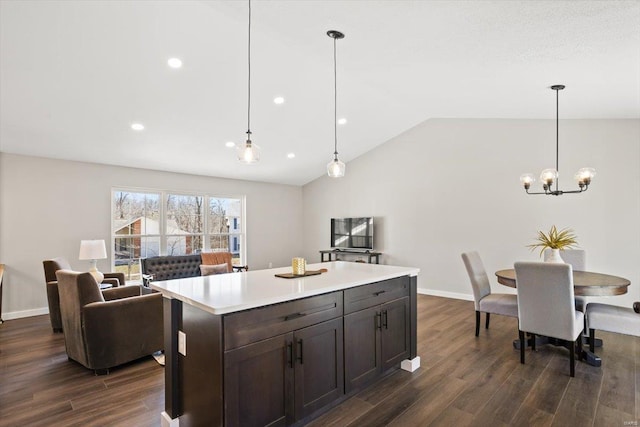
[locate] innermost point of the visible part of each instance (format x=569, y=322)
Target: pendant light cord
x=249, y=79
x=335, y=102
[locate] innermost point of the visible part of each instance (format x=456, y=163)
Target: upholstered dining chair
x=611, y=318
x=546, y=306
x=485, y=301
x=53, y=298
x=101, y=334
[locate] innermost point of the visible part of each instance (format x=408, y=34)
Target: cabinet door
x=362, y=347
x=395, y=338
x=258, y=383
x=319, y=369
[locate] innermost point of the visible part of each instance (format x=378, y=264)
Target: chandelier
x=549, y=176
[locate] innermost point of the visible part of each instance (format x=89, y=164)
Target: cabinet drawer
x=260, y=323
x=375, y=293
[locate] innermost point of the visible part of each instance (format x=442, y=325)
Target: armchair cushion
x=121, y=292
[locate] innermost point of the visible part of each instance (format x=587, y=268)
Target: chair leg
x=533, y=342
x=572, y=360
x=579, y=347
x=477, y=323
x=522, y=345
x=592, y=340
x=486, y=326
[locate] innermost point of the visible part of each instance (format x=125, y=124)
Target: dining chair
x=485, y=301
x=546, y=306
x=611, y=318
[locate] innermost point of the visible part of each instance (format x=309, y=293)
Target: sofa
x=181, y=266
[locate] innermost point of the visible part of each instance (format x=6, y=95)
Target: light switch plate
x=182, y=343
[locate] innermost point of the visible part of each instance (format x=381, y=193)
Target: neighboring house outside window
x=152, y=223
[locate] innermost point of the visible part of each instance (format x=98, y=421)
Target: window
x=224, y=226
x=152, y=223
x=184, y=225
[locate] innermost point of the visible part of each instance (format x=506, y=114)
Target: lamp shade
x=92, y=249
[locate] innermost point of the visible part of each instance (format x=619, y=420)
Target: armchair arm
x=121, y=292
x=119, y=276
x=122, y=330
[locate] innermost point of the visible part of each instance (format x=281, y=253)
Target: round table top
x=585, y=283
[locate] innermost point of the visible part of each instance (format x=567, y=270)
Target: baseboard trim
x=445, y=294
x=25, y=313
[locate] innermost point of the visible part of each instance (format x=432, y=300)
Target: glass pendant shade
x=527, y=178
x=584, y=175
x=336, y=168
x=548, y=176
x=249, y=153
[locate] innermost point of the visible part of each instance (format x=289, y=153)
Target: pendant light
x=249, y=153
x=549, y=176
x=335, y=168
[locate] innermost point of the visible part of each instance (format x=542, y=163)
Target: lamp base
x=96, y=274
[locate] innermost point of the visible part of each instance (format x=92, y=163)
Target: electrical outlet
x=182, y=343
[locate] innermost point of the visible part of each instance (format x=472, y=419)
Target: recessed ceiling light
x=230, y=144
x=137, y=126
x=278, y=100
x=291, y=155
x=342, y=121
x=175, y=62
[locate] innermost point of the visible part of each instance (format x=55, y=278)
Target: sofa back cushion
x=172, y=267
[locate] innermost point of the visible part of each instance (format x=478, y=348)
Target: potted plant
x=556, y=241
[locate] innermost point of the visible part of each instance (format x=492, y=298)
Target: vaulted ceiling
x=74, y=76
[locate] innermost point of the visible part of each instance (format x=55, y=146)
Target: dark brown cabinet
x=376, y=339
x=284, y=364
x=283, y=379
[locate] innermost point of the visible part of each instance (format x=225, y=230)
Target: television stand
x=370, y=255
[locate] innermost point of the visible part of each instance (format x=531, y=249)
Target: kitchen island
x=254, y=349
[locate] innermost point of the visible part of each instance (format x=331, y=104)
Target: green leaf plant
x=554, y=239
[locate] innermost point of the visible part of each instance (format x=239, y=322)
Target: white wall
x=450, y=185
x=47, y=206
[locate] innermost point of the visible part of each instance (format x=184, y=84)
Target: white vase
x=553, y=255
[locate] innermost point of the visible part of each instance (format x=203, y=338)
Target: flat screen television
x=352, y=233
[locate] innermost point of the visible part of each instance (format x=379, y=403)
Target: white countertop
x=227, y=293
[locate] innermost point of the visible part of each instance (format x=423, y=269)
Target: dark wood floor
x=464, y=380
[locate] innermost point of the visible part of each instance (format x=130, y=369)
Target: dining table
x=585, y=283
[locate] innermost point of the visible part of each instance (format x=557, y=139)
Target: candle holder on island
x=299, y=266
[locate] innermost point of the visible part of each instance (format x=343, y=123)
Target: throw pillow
x=208, y=270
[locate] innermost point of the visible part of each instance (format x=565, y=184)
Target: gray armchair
x=50, y=268
x=485, y=301
x=100, y=334
x=546, y=305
